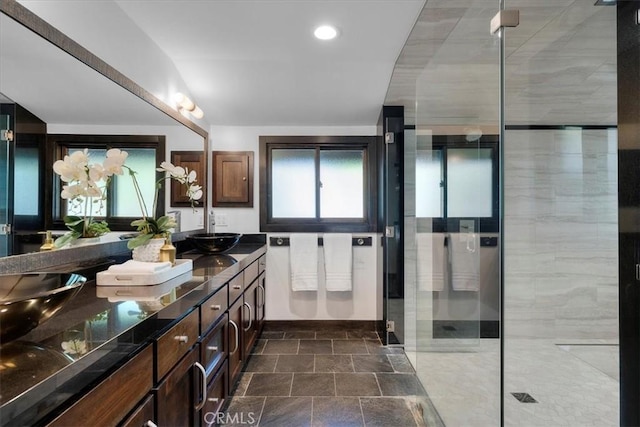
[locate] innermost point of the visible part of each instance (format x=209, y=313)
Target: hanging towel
x=431, y=261
x=338, y=259
x=303, y=255
x=465, y=261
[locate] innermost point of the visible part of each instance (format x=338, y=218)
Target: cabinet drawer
x=176, y=342
x=216, y=394
x=113, y=398
x=142, y=414
x=250, y=274
x=235, y=287
x=212, y=309
x=214, y=346
x=262, y=263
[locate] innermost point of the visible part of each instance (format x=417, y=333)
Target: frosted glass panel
x=429, y=191
x=469, y=178
x=143, y=161
x=26, y=181
x=293, y=183
x=342, y=181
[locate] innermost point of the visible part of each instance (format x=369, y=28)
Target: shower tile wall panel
x=561, y=241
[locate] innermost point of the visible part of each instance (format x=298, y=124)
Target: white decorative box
x=111, y=278
x=142, y=293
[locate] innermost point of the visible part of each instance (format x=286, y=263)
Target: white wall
x=363, y=303
x=177, y=138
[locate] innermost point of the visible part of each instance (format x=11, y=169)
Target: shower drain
x=524, y=398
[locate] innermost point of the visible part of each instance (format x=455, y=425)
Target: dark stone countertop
x=108, y=331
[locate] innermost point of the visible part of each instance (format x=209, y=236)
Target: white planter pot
x=150, y=251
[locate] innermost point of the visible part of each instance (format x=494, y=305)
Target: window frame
x=445, y=142
x=317, y=143
x=60, y=144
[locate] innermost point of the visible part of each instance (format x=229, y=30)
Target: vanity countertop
x=98, y=331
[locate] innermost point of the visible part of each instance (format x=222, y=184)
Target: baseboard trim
x=308, y=325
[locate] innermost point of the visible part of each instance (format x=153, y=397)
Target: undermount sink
x=214, y=243
x=29, y=299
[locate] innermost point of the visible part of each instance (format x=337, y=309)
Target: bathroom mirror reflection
x=46, y=91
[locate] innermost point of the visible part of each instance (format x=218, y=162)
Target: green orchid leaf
x=66, y=239
x=139, y=240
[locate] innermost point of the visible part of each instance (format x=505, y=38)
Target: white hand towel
x=465, y=262
x=431, y=261
x=139, y=267
x=338, y=260
x=303, y=255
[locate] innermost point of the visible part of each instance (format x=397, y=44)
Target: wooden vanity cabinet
x=114, y=398
x=250, y=324
x=236, y=352
x=180, y=377
x=180, y=395
x=142, y=414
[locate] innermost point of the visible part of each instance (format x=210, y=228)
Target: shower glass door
x=453, y=215
x=560, y=216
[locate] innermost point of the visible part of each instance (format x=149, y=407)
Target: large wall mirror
x=46, y=82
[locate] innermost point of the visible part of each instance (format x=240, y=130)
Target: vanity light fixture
x=185, y=104
x=325, y=32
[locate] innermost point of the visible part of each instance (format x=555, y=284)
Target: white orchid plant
x=150, y=227
x=86, y=185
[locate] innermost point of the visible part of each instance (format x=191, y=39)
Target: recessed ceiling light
x=325, y=32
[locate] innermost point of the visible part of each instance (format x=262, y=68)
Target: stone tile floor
x=329, y=377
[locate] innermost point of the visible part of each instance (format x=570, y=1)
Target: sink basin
x=28, y=299
x=214, y=243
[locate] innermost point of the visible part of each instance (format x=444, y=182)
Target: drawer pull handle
x=181, y=338
x=216, y=307
x=212, y=348
x=250, y=316
x=237, y=287
x=150, y=423
x=237, y=335
x=261, y=300
x=203, y=386
x=213, y=399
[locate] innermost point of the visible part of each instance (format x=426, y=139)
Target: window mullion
x=318, y=182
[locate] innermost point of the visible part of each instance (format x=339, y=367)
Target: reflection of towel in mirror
x=431, y=261
x=338, y=259
x=303, y=255
x=465, y=262
x=139, y=267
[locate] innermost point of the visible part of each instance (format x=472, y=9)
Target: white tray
x=108, y=278
x=142, y=293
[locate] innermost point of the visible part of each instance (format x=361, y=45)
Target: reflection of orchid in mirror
x=86, y=185
x=74, y=347
x=150, y=227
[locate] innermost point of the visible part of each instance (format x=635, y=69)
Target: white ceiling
x=256, y=62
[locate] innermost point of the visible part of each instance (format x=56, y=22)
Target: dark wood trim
x=54, y=36
x=367, y=143
x=628, y=67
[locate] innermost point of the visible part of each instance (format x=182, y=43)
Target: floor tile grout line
x=361, y=411
x=264, y=403
x=378, y=383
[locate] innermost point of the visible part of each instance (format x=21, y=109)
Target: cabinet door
x=236, y=355
x=142, y=415
x=179, y=396
x=260, y=304
x=250, y=324
x=233, y=178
